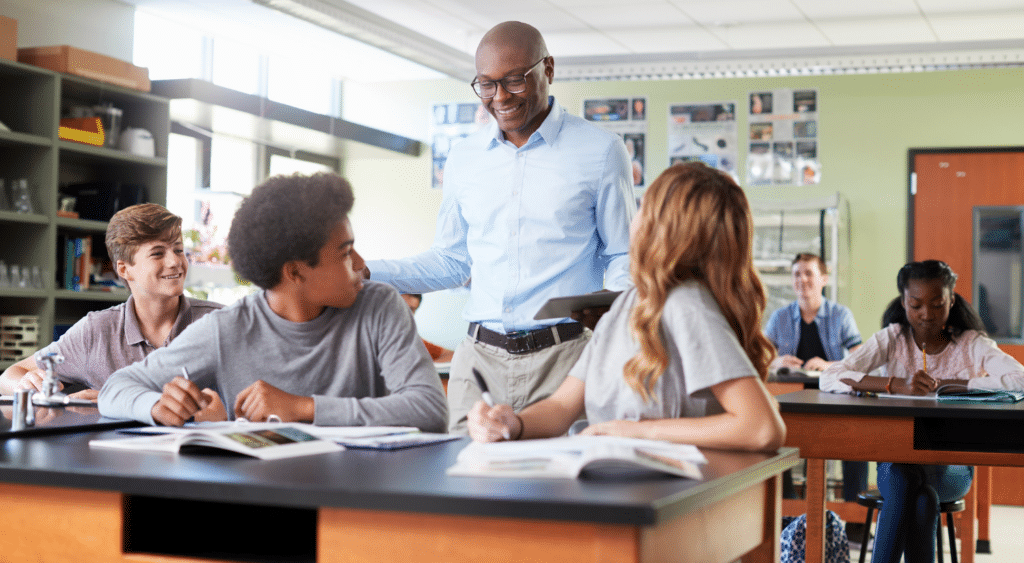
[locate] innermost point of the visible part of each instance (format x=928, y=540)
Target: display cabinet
x=32, y=101
x=782, y=229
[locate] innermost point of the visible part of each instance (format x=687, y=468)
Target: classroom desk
x=835, y=426
x=369, y=506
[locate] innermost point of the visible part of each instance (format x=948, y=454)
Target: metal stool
x=873, y=501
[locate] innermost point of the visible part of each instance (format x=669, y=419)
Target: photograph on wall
x=628, y=118
x=782, y=136
x=449, y=124
x=703, y=132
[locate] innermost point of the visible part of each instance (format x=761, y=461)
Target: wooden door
x=949, y=184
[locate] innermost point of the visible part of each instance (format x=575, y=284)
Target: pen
x=486, y=395
x=184, y=373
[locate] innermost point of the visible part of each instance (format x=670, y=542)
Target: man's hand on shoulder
x=589, y=316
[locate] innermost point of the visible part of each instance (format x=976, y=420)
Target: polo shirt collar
x=819, y=315
x=132, y=330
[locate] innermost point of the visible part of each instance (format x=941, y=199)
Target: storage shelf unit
x=31, y=102
x=782, y=229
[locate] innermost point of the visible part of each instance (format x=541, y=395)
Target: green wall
x=867, y=123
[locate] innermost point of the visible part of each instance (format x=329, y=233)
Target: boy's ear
x=122, y=269
x=292, y=272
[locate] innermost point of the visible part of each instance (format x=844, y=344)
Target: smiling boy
x=145, y=245
x=315, y=345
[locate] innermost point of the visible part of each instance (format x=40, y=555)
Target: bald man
x=536, y=205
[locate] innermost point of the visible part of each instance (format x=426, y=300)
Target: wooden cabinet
x=31, y=103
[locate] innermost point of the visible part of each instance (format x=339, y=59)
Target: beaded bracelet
x=888, y=384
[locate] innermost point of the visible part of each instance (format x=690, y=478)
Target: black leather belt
x=527, y=341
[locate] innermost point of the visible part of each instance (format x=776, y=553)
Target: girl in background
x=680, y=356
x=931, y=337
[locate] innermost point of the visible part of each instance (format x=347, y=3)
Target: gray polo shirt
x=105, y=341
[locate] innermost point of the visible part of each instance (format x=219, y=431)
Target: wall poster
x=628, y=118
x=703, y=132
x=450, y=123
x=783, y=138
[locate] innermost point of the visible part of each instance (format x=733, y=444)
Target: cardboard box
x=8, y=38
x=71, y=60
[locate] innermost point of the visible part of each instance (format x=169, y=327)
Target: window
x=998, y=269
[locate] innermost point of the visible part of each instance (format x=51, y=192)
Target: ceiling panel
x=905, y=29
x=775, y=36
x=613, y=18
x=959, y=6
x=731, y=11
x=835, y=10
x=666, y=40
x=582, y=44
x=1009, y=25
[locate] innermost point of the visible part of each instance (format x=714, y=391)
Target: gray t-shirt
x=703, y=351
x=105, y=341
x=363, y=365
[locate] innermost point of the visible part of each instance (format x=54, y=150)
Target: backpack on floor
x=794, y=539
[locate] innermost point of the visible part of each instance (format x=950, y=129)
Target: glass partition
x=997, y=274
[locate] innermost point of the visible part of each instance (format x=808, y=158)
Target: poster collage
x=782, y=145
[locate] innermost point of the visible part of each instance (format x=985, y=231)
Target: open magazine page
x=568, y=457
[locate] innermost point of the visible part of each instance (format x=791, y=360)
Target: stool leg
x=867, y=535
x=952, y=536
x=938, y=540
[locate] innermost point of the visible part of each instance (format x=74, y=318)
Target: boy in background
x=144, y=243
x=315, y=345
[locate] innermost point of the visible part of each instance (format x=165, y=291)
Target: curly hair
x=136, y=225
x=694, y=223
x=962, y=317
x=286, y=218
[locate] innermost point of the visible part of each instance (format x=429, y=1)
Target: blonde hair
x=694, y=223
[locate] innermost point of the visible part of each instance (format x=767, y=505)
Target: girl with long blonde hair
x=680, y=356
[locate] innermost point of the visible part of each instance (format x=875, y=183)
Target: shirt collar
x=820, y=314
x=547, y=131
x=132, y=330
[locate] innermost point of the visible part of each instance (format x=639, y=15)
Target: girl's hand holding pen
x=922, y=384
x=492, y=424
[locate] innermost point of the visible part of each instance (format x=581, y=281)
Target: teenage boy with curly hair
x=316, y=344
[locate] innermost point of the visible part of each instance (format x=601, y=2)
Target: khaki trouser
x=518, y=380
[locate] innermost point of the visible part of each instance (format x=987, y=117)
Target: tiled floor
x=1007, y=541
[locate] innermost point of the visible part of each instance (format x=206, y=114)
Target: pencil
x=924, y=354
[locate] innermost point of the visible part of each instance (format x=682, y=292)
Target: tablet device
x=560, y=307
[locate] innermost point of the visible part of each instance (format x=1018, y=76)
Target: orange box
x=88, y=130
x=8, y=38
x=71, y=60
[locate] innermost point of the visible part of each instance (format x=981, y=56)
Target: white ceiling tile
x=780, y=35
x=667, y=40
x=960, y=6
x=989, y=27
x=907, y=29
x=633, y=4
x=727, y=11
x=832, y=10
x=581, y=44
x=612, y=18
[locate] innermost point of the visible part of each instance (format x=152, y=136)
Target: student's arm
x=751, y=421
x=414, y=395
x=854, y=368
x=544, y=419
x=614, y=210
x=154, y=391
x=22, y=375
x=1004, y=372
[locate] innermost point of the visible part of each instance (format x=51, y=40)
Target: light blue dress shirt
x=836, y=328
x=548, y=219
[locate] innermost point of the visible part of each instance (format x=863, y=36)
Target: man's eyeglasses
x=514, y=84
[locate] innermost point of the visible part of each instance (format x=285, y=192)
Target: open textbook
x=575, y=456
x=357, y=437
x=263, y=441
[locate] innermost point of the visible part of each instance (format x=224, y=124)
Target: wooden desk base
x=54, y=524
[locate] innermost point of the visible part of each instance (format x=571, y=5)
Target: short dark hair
x=136, y=225
x=286, y=218
x=809, y=257
x=962, y=316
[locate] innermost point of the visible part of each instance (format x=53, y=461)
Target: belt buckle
x=520, y=342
